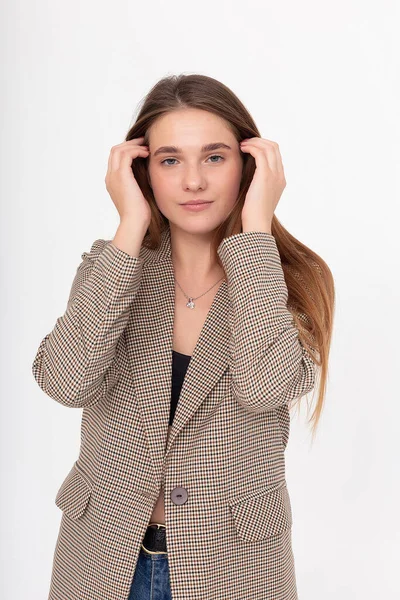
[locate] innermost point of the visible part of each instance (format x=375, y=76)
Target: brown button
x=179, y=495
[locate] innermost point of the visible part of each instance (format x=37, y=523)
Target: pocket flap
x=74, y=493
x=262, y=514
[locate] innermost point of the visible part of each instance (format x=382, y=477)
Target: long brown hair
x=311, y=293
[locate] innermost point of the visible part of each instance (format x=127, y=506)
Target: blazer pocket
x=262, y=514
x=74, y=493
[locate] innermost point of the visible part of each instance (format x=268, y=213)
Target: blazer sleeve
x=269, y=364
x=75, y=363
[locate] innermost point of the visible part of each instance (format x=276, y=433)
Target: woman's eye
x=213, y=156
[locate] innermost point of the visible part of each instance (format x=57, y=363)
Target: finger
x=272, y=158
x=126, y=158
x=135, y=141
x=123, y=155
x=117, y=153
x=279, y=161
x=261, y=152
x=138, y=140
x=272, y=153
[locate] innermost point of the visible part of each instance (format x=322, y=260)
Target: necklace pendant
x=190, y=304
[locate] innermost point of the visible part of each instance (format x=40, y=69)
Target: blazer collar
x=150, y=351
x=163, y=252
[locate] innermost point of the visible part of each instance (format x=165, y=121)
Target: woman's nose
x=193, y=176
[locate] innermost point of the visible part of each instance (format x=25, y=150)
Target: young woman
x=201, y=295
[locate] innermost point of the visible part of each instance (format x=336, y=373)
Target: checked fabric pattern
x=109, y=354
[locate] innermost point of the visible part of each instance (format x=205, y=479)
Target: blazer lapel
x=149, y=339
x=208, y=363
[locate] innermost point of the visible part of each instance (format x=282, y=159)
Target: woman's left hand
x=266, y=187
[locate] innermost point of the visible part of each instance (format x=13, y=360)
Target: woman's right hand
x=122, y=185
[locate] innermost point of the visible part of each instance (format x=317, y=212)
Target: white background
x=319, y=78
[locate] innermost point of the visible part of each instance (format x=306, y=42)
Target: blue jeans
x=151, y=578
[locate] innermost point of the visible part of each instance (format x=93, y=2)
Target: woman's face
x=188, y=172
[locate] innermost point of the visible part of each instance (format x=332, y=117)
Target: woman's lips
x=196, y=207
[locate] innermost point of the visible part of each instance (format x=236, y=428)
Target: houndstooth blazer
x=227, y=508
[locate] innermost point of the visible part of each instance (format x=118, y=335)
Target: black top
x=180, y=363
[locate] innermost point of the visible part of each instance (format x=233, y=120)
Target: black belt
x=155, y=539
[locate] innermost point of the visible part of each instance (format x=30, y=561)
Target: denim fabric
x=151, y=578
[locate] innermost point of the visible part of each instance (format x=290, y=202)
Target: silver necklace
x=190, y=303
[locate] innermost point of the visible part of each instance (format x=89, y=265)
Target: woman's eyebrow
x=205, y=148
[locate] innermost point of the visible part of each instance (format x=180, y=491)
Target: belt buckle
x=158, y=524
x=155, y=551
